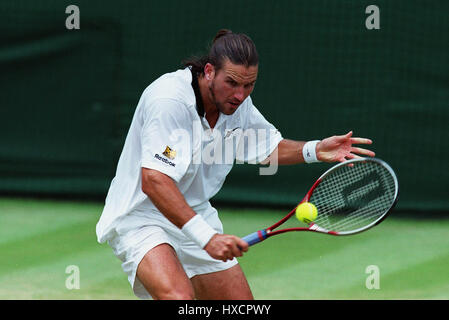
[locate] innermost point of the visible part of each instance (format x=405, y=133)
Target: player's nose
x=239, y=95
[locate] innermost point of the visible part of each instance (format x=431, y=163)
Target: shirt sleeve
x=259, y=138
x=166, y=137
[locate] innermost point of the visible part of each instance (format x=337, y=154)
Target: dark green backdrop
x=68, y=96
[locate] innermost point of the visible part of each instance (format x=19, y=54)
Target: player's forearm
x=287, y=152
x=167, y=198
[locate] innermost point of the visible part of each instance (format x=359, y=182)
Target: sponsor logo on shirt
x=169, y=153
x=157, y=156
x=229, y=132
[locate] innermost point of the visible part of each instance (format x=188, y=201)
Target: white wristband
x=309, y=151
x=198, y=230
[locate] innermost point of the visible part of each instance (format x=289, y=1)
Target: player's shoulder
x=174, y=86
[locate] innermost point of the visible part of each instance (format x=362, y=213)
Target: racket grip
x=255, y=237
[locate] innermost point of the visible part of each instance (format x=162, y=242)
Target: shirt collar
x=196, y=90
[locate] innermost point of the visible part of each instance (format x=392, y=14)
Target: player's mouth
x=234, y=104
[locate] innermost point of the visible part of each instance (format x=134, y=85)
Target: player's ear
x=209, y=71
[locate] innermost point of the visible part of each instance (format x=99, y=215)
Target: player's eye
x=249, y=85
x=232, y=83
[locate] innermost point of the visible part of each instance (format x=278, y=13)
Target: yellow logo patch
x=169, y=153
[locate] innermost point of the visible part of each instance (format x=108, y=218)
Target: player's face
x=231, y=85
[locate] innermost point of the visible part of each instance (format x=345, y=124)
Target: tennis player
x=157, y=216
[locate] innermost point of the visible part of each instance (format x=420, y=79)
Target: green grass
x=40, y=238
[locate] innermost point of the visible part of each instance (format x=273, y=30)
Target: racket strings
x=347, y=217
x=352, y=198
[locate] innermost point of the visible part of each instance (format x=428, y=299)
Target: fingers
x=344, y=150
x=355, y=140
x=361, y=141
x=237, y=247
x=362, y=151
x=226, y=247
x=349, y=157
x=344, y=137
x=243, y=245
x=352, y=156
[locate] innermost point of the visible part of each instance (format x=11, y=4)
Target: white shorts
x=140, y=231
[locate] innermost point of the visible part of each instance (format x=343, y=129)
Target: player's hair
x=237, y=47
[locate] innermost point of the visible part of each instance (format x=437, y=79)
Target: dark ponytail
x=237, y=47
x=221, y=33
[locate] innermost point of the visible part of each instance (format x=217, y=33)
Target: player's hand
x=340, y=149
x=225, y=247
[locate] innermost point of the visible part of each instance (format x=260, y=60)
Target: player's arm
x=287, y=152
x=332, y=149
x=165, y=195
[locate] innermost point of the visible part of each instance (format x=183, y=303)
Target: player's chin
x=230, y=108
x=230, y=112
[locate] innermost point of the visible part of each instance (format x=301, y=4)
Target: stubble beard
x=220, y=107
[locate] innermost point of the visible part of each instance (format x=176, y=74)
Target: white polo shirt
x=167, y=134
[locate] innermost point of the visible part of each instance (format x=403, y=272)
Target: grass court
x=39, y=239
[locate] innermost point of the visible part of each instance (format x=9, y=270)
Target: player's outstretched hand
x=225, y=247
x=340, y=149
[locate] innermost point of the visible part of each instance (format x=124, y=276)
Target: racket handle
x=255, y=237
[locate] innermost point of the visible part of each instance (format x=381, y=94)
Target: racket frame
x=261, y=235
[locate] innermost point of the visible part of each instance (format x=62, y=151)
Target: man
x=157, y=215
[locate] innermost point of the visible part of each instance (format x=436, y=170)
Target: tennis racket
x=351, y=197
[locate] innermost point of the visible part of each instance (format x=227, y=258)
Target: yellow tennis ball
x=306, y=212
